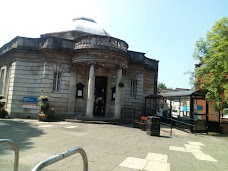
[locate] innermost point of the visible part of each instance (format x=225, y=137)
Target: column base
x=89, y=116
x=117, y=116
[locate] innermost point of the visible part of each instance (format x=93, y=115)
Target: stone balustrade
x=95, y=40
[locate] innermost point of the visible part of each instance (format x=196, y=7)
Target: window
x=133, y=88
x=56, y=81
x=2, y=73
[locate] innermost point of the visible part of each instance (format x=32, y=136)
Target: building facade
x=84, y=72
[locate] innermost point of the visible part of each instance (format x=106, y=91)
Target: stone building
x=84, y=71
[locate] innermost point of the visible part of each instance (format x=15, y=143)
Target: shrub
x=3, y=113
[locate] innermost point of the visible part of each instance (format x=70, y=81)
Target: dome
x=88, y=25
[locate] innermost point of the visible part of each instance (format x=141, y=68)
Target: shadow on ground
x=19, y=132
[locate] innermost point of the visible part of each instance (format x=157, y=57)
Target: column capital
x=92, y=63
x=121, y=66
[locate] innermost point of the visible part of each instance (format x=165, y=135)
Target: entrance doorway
x=100, y=96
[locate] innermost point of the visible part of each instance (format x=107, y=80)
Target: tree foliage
x=191, y=75
x=161, y=85
x=212, y=73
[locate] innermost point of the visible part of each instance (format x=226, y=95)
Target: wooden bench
x=142, y=121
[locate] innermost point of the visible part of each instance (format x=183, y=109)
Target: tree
x=161, y=86
x=191, y=75
x=212, y=71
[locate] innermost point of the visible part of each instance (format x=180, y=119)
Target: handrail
x=183, y=123
x=16, y=150
x=175, y=120
x=59, y=157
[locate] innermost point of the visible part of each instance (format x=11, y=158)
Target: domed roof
x=88, y=25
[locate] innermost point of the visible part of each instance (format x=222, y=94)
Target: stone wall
x=25, y=80
x=32, y=73
x=134, y=72
x=81, y=77
x=149, y=82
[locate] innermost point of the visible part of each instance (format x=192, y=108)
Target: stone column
x=118, y=99
x=90, y=97
x=72, y=91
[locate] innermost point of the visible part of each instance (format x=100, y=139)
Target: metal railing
x=16, y=150
x=182, y=123
x=172, y=122
x=59, y=157
x=176, y=123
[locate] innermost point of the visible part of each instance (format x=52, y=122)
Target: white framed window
x=133, y=92
x=56, y=81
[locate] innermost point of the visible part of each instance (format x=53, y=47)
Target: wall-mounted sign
x=113, y=93
x=80, y=90
x=29, y=102
x=199, y=107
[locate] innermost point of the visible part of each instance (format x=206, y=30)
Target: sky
x=165, y=30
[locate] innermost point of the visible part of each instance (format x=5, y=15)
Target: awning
x=184, y=93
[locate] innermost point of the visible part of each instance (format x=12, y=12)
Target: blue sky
x=166, y=30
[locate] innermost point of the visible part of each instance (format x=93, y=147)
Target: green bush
x=3, y=113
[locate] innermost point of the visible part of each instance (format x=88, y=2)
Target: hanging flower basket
x=121, y=84
x=1, y=97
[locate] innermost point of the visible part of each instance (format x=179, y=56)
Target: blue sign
x=30, y=99
x=199, y=107
x=29, y=102
x=186, y=108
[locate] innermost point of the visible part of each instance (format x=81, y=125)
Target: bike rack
x=16, y=150
x=61, y=156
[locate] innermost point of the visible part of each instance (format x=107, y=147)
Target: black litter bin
x=153, y=126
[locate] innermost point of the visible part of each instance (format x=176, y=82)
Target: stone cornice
x=101, y=58
x=24, y=43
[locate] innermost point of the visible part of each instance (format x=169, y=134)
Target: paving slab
x=156, y=165
x=107, y=146
x=157, y=157
x=134, y=163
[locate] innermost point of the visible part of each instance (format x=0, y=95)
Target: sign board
x=186, y=108
x=199, y=107
x=29, y=102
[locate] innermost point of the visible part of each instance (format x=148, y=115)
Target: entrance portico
x=99, y=92
x=105, y=57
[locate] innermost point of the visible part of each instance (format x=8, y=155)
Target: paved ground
x=110, y=147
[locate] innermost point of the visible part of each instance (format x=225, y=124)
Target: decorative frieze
x=94, y=59
x=92, y=40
